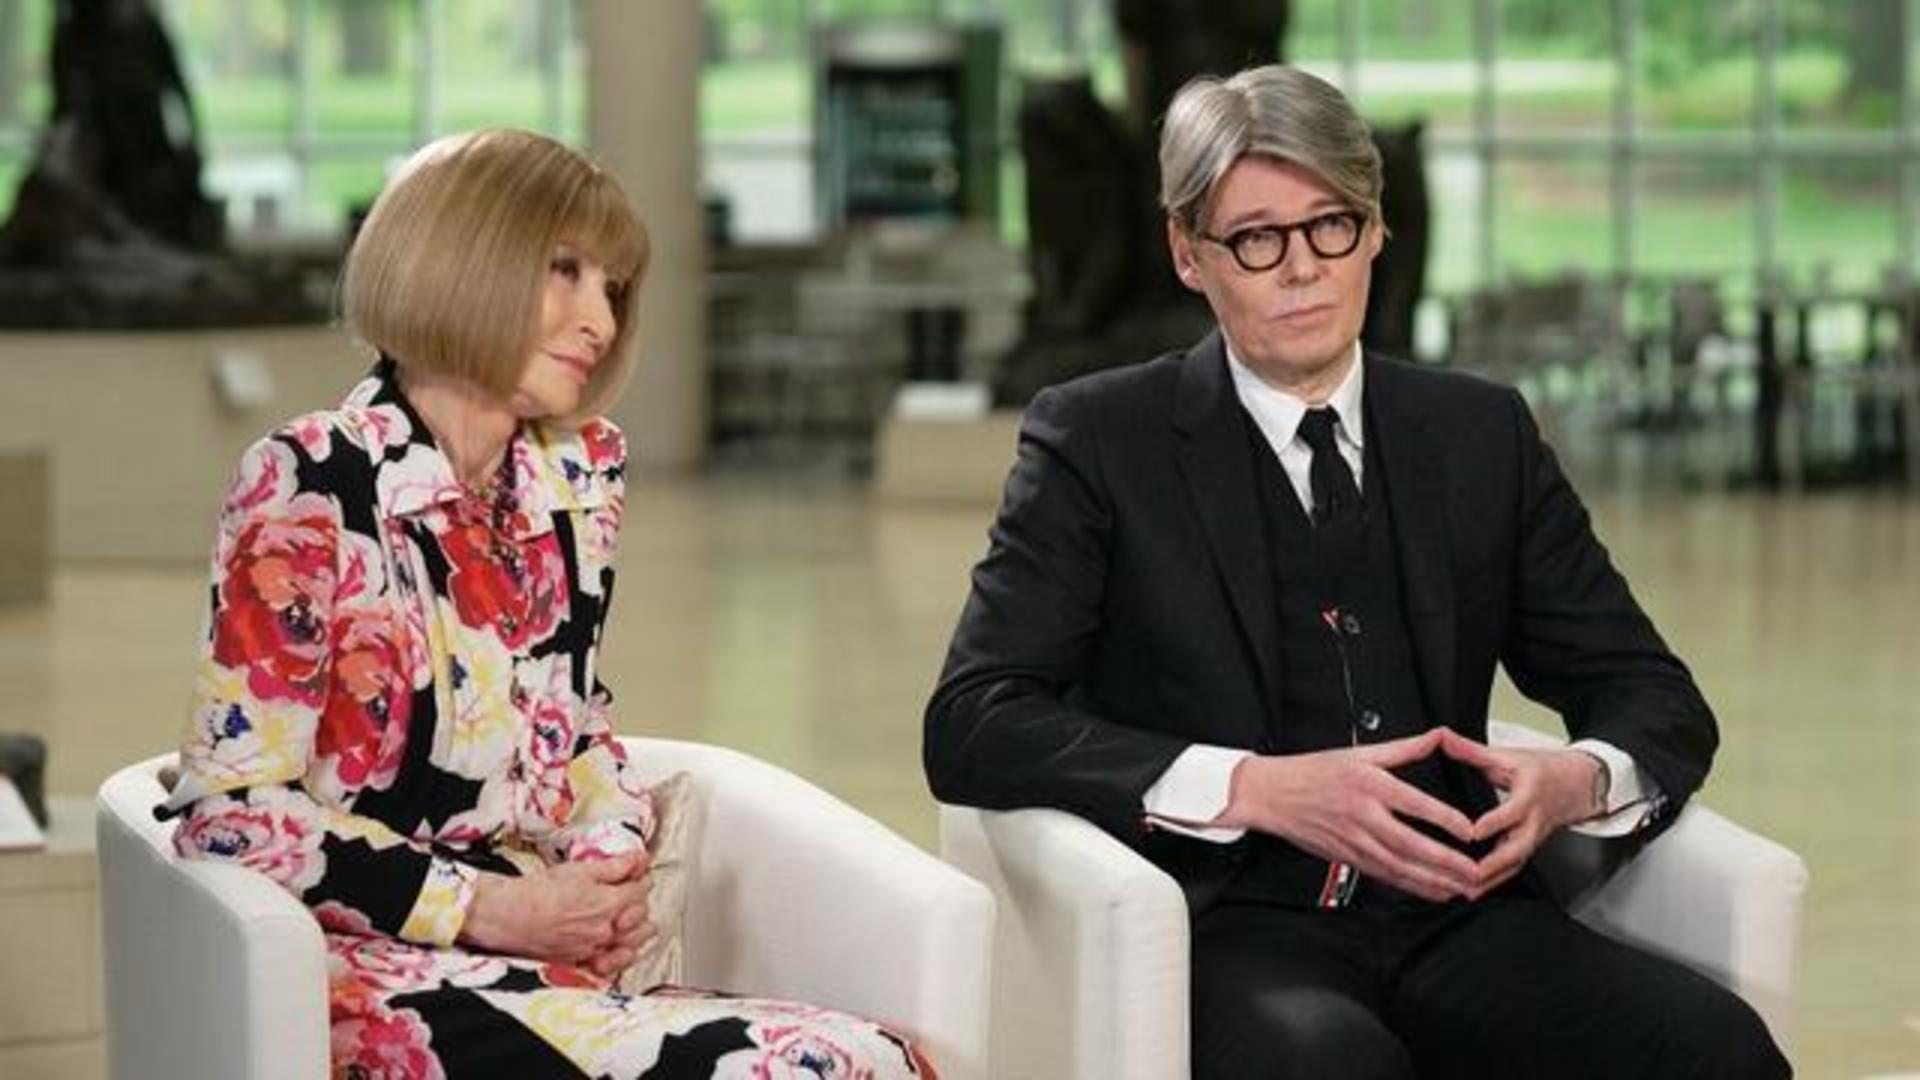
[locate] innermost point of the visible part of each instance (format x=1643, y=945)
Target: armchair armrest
x=212, y=971
x=1091, y=938
x=1719, y=898
x=795, y=894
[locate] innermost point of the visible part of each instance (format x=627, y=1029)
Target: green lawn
x=1845, y=224
x=746, y=96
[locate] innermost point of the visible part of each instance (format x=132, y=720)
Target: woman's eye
x=615, y=291
x=566, y=266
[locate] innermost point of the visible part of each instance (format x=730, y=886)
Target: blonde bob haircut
x=449, y=271
x=1274, y=111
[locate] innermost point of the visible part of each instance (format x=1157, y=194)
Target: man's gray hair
x=1274, y=111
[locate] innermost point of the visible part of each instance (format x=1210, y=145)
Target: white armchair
x=215, y=972
x=1091, y=952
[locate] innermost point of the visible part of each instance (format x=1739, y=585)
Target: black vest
x=1346, y=666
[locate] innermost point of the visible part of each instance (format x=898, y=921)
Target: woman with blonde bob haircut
x=446, y=271
x=398, y=713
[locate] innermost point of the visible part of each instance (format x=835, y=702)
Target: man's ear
x=1376, y=238
x=1185, y=259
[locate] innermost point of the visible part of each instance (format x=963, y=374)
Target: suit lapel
x=1415, y=486
x=1218, y=475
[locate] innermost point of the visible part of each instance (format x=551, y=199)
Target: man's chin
x=1294, y=361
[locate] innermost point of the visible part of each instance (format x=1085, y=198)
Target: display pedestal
x=937, y=459
x=26, y=490
x=50, y=993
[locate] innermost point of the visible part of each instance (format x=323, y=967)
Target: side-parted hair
x=448, y=273
x=1274, y=111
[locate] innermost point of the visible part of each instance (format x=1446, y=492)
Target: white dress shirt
x=1194, y=789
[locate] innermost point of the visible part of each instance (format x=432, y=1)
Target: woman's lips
x=579, y=366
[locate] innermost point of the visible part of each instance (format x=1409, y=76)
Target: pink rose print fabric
x=398, y=691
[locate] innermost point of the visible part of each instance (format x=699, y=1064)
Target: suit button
x=1350, y=625
x=1370, y=720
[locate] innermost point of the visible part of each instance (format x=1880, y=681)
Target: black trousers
x=1506, y=987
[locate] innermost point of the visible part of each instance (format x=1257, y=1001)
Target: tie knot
x=1317, y=429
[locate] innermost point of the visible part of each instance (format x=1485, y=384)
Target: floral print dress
x=397, y=692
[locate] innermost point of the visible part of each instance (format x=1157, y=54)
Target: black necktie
x=1336, y=497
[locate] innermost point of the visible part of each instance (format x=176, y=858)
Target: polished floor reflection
x=801, y=621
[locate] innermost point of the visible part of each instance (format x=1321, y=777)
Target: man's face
x=1295, y=323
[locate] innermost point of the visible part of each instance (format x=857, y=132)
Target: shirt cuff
x=440, y=910
x=1631, y=794
x=1193, y=791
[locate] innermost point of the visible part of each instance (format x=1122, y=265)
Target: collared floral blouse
x=398, y=690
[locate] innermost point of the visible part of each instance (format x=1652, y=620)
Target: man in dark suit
x=1242, y=609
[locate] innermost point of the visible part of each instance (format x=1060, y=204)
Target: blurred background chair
x=1548, y=336
x=1091, y=940
x=214, y=972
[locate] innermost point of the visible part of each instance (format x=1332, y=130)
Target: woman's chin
x=529, y=406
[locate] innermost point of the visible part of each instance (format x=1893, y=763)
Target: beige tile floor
x=803, y=622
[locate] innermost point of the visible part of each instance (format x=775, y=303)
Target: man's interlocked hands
x=1347, y=806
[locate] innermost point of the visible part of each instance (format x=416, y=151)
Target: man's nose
x=1300, y=264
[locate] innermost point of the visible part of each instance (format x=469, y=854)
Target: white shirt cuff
x=1631, y=796
x=1193, y=791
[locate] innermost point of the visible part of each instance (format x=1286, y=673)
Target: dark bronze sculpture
x=1081, y=255
x=110, y=226
x=1104, y=288
x=23, y=760
x=1400, y=270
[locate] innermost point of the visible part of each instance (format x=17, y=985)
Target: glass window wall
x=1558, y=136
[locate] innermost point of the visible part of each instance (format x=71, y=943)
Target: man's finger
x=1494, y=883
x=1402, y=751
x=1428, y=888
x=1498, y=765
x=1506, y=858
x=1460, y=748
x=1407, y=860
x=1502, y=818
x=1411, y=849
x=1409, y=801
x=1418, y=880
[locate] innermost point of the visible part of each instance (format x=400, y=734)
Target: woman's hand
x=631, y=927
x=590, y=914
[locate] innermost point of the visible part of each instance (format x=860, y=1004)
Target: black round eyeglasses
x=1263, y=247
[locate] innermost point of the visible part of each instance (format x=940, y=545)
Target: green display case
x=907, y=121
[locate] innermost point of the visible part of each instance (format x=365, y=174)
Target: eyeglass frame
x=1234, y=239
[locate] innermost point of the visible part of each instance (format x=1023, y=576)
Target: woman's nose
x=596, y=316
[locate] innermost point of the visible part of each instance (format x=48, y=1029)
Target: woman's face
x=576, y=328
